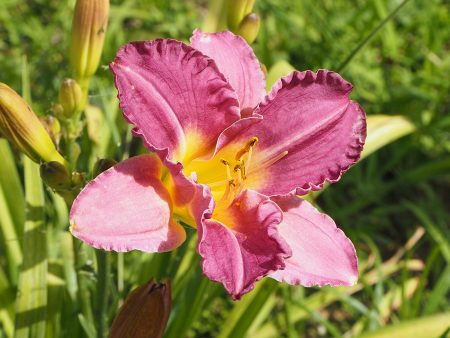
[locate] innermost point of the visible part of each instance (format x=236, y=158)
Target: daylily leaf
x=381, y=130
x=279, y=69
x=384, y=129
x=425, y=327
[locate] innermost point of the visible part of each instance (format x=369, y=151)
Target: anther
x=253, y=141
x=249, y=145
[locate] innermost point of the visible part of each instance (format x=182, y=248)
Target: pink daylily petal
x=241, y=244
x=311, y=132
x=127, y=208
x=321, y=253
x=175, y=96
x=236, y=60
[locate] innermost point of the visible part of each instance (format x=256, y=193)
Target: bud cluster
x=241, y=20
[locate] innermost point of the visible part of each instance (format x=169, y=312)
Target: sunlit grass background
x=394, y=204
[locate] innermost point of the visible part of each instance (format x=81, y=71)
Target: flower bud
x=88, y=34
x=144, y=313
x=70, y=97
x=249, y=27
x=22, y=127
x=103, y=165
x=78, y=179
x=53, y=127
x=237, y=10
x=55, y=175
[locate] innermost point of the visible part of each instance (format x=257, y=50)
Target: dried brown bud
x=145, y=312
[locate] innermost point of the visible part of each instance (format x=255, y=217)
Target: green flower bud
x=78, y=179
x=249, y=27
x=21, y=126
x=144, y=313
x=55, y=175
x=237, y=10
x=53, y=127
x=88, y=34
x=70, y=97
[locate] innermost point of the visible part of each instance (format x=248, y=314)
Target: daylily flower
x=228, y=160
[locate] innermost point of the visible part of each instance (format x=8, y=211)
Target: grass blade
x=11, y=242
x=425, y=327
x=364, y=41
x=10, y=183
x=31, y=302
x=246, y=310
x=6, y=305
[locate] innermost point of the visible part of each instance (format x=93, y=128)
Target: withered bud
x=145, y=312
x=103, y=165
x=21, y=126
x=55, y=175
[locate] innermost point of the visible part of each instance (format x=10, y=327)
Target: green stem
x=120, y=272
x=84, y=294
x=103, y=272
x=370, y=36
x=216, y=16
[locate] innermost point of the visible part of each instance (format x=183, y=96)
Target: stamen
x=239, y=179
x=246, y=148
x=227, y=165
x=270, y=161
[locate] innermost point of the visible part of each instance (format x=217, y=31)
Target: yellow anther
x=224, y=161
x=253, y=141
x=245, y=149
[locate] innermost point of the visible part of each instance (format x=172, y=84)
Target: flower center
x=237, y=176
x=245, y=168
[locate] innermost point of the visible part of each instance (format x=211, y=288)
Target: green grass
x=394, y=204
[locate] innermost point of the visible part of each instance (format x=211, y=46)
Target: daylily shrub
x=228, y=160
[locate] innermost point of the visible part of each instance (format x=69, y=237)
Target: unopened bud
x=249, y=27
x=144, y=313
x=55, y=175
x=22, y=127
x=103, y=165
x=237, y=10
x=53, y=127
x=78, y=179
x=57, y=110
x=88, y=33
x=70, y=97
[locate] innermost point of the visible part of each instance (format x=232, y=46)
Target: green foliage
x=393, y=204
